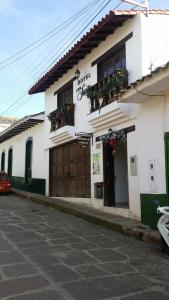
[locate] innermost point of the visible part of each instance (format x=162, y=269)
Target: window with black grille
x=65, y=97
x=111, y=64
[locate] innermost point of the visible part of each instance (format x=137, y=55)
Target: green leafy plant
x=89, y=92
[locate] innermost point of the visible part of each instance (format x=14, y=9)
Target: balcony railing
x=62, y=117
x=106, y=90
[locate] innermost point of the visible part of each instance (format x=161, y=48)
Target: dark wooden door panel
x=73, y=168
x=81, y=168
x=81, y=187
x=82, y=152
x=73, y=186
x=59, y=187
x=66, y=151
x=87, y=165
x=66, y=170
x=70, y=171
x=88, y=186
x=59, y=155
x=73, y=151
x=59, y=171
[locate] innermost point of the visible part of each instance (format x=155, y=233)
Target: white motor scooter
x=163, y=227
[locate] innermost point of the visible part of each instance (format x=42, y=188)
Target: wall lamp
x=77, y=73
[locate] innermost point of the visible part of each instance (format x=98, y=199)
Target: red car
x=5, y=185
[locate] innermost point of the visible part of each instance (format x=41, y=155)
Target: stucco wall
x=133, y=64
x=155, y=41
x=18, y=144
x=139, y=49
x=146, y=142
x=151, y=126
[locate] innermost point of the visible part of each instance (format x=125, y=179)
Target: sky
x=23, y=22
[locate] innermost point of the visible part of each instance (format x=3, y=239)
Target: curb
x=123, y=225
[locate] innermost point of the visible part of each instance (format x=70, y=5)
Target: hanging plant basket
x=113, y=143
x=113, y=137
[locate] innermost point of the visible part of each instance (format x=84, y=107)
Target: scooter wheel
x=164, y=246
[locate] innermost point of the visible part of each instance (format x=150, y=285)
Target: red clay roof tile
x=116, y=17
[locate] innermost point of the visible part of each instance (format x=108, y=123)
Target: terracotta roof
x=8, y=120
x=136, y=12
x=90, y=40
x=21, y=125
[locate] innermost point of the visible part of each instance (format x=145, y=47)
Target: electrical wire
x=81, y=32
x=21, y=104
x=7, y=110
x=54, y=48
x=64, y=42
x=21, y=56
x=38, y=73
x=56, y=30
x=47, y=57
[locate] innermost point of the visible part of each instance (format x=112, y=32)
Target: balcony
x=62, y=117
x=107, y=90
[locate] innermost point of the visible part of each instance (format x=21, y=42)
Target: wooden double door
x=69, y=171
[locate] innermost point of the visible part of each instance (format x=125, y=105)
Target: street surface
x=48, y=255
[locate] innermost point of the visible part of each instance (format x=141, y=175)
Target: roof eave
x=20, y=126
x=152, y=85
x=97, y=34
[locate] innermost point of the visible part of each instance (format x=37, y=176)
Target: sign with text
x=82, y=85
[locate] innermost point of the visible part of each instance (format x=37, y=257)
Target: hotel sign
x=82, y=85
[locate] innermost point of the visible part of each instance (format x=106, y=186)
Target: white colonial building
x=151, y=94
x=22, y=153
x=96, y=137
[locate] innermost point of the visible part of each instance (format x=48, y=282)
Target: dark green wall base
x=149, y=204
x=36, y=186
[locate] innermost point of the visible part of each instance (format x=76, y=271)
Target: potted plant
x=91, y=94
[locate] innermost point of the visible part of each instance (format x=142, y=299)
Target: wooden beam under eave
x=64, y=67
x=92, y=42
x=98, y=39
x=69, y=64
x=79, y=56
x=87, y=47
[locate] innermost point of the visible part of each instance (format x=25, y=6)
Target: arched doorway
x=28, y=161
x=10, y=159
x=3, y=161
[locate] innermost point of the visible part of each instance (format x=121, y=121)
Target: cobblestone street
x=48, y=255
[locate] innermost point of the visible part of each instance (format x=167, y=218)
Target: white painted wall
x=147, y=141
x=155, y=41
x=18, y=144
x=82, y=107
x=150, y=143
x=148, y=36
x=133, y=181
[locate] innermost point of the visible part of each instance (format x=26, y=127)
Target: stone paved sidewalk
x=124, y=225
x=46, y=254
